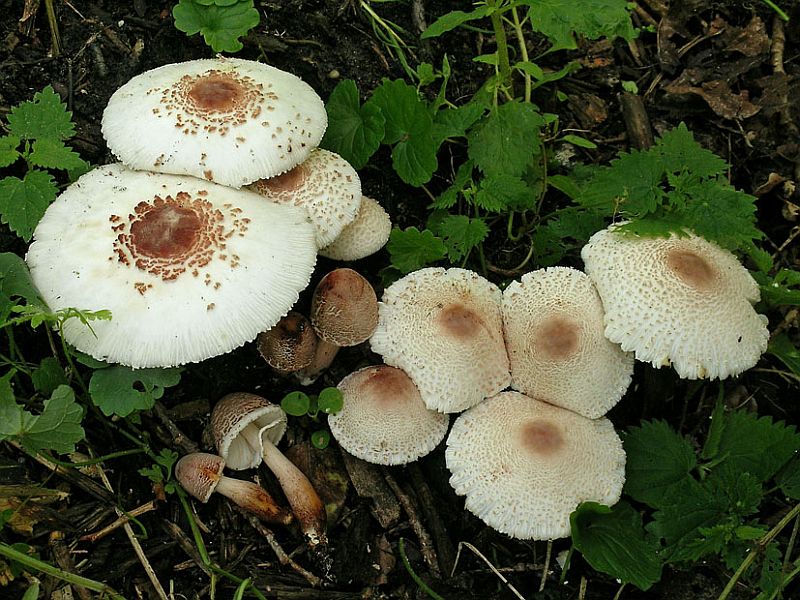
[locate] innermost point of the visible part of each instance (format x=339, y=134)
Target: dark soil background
x=711, y=64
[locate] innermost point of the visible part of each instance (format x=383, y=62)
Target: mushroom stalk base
x=254, y=499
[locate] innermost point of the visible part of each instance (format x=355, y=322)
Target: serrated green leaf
x=220, y=26
x=54, y=154
x=8, y=150
x=574, y=223
x=414, y=159
x=119, y=390
x=613, y=541
x=412, y=249
x=449, y=197
x=44, y=117
x=781, y=289
x=354, y=131
x=679, y=150
x=631, y=186
x=454, y=122
x=58, y=428
x=16, y=281
x=502, y=193
x=11, y=413
x=453, y=19
x=48, y=376
x=771, y=577
x=461, y=234
x=788, y=479
x=24, y=201
x=506, y=140
x=548, y=248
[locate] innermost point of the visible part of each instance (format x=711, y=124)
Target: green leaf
x=574, y=223
x=412, y=249
x=16, y=281
x=502, y=193
x=24, y=201
x=711, y=446
x=505, y=141
x=119, y=390
x=788, y=479
x=461, y=234
x=321, y=439
x=454, y=122
x=12, y=417
x=613, y=541
x=330, y=400
x=296, y=404
x=463, y=178
x=53, y=154
x=8, y=150
x=58, y=427
x=559, y=20
x=414, y=159
x=659, y=461
x=679, y=150
x=453, y=19
x=354, y=131
x=782, y=288
x=48, y=376
x=220, y=26
x=579, y=141
x=44, y=117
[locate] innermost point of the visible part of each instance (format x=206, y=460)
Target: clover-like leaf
x=220, y=26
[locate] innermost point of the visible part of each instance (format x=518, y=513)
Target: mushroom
x=325, y=185
x=679, y=300
x=189, y=269
x=383, y=419
x=367, y=234
x=553, y=324
x=227, y=120
x=445, y=329
x=524, y=465
x=246, y=429
x=290, y=345
x=200, y=474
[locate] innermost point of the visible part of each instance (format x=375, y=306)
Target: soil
x=711, y=65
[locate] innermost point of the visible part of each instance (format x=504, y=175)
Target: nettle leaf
x=783, y=348
x=454, y=122
x=8, y=150
x=412, y=249
x=506, y=140
x=48, y=376
x=220, y=26
x=463, y=178
x=453, y=19
x=659, y=460
x=44, y=117
x=461, y=234
x=24, y=201
x=501, y=193
x=16, y=280
x=613, y=541
x=119, y=390
x=54, y=154
x=782, y=288
x=679, y=150
x=354, y=131
x=559, y=21
x=574, y=223
x=788, y=479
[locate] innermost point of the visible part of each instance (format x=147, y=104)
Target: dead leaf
x=750, y=41
x=720, y=97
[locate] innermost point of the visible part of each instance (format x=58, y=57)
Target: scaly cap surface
x=367, y=234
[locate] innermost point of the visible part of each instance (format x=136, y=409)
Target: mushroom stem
x=323, y=358
x=254, y=499
x=303, y=498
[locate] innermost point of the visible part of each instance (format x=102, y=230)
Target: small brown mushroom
x=344, y=308
x=200, y=474
x=290, y=345
x=247, y=427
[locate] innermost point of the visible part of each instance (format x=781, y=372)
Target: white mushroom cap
x=235, y=412
x=367, y=234
x=344, y=308
x=678, y=300
x=445, y=329
x=227, y=120
x=383, y=419
x=189, y=269
x=525, y=465
x=326, y=185
x=553, y=323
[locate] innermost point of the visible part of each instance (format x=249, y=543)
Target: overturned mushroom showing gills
x=344, y=308
x=246, y=428
x=226, y=120
x=367, y=234
x=383, y=419
x=200, y=474
x=553, y=323
x=525, y=465
x=290, y=345
x=189, y=269
x=678, y=300
x=445, y=329
x=325, y=185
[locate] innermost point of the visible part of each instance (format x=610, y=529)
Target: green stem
x=783, y=16
x=523, y=49
x=503, y=64
x=401, y=548
x=93, y=461
x=48, y=569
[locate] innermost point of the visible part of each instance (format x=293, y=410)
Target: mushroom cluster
x=178, y=240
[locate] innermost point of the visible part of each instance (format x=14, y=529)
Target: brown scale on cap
x=558, y=338
x=460, y=321
x=542, y=438
x=691, y=268
x=389, y=386
x=170, y=235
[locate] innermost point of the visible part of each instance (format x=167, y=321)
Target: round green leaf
x=296, y=404
x=330, y=400
x=320, y=439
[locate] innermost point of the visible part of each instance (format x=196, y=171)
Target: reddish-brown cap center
x=165, y=231
x=459, y=321
x=558, y=338
x=691, y=268
x=389, y=386
x=541, y=437
x=217, y=92
x=288, y=182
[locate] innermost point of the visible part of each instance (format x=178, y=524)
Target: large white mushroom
x=189, y=269
x=682, y=301
x=226, y=120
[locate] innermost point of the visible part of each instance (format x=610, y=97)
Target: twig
x=177, y=534
x=125, y=518
x=548, y=555
x=283, y=558
x=444, y=547
x=64, y=559
x=179, y=438
x=488, y=562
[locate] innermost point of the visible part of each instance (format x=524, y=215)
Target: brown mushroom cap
x=367, y=234
x=678, y=300
x=199, y=473
x=553, y=324
x=290, y=345
x=445, y=329
x=238, y=421
x=344, y=308
x=525, y=465
x=383, y=419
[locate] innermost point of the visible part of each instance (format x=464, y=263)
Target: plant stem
x=93, y=461
x=523, y=49
x=401, y=548
x=48, y=569
x=503, y=65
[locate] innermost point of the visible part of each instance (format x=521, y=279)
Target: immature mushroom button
x=344, y=308
x=247, y=427
x=367, y=234
x=290, y=345
x=200, y=474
